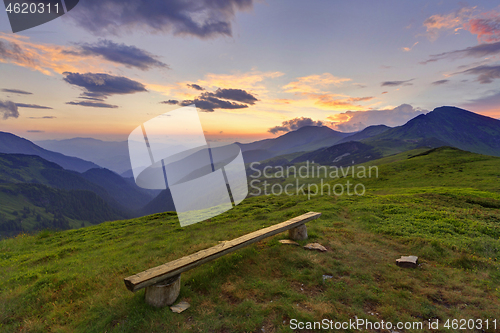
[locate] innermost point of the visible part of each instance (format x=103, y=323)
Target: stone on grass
x=407, y=261
x=180, y=307
x=315, y=246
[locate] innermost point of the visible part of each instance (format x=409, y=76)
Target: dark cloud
x=294, y=124
x=238, y=95
x=17, y=91
x=32, y=106
x=99, y=85
x=195, y=86
x=93, y=104
x=13, y=52
x=209, y=104
x=200, y=18
x=220, y=99
x=35, y=131
x=478, y=51
x=171, y=102
x=437, y=83
x=44, y=117
x=396, y=83
x=129, y=56
x=91, y=98
x=8, y=109
x=485, y=74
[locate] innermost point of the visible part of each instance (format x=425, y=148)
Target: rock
x=407, y=261
x=288, y=242
x=180, y=307
x=315, y=246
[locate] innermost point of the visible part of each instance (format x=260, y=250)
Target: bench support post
x=298, y=233
x=164, y=293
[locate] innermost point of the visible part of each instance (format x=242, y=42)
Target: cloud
x=313, y=83
x=99, y=85
x=408, y=49
x=437, y=83
x=352, y=121
x=35, y=131
x=32, y=106
x=238, y=95
x=44, y=117
x=12, y=51
x=220, y=99
x=49, y=59
x=45, y=58
x=17, y=91
x=93, y=104
x=294, y=124
x=485, y=74
x=338, y=101
x=195, y=86
x=209, y=104
x=8, y=109
x=171, y=102
x=315, y=88
x=454, y=20
x=130, y=56
x=396, y=83
x=478, y=51
x=485, y=25
x=200, y=18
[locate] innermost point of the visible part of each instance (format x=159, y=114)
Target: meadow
x=441, y=205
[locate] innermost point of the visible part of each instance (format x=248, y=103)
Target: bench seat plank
x=162, y=272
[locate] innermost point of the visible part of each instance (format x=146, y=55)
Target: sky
x=254, y=69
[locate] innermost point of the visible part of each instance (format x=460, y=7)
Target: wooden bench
x=162, y=283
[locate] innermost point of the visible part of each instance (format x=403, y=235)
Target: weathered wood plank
x=162, y=272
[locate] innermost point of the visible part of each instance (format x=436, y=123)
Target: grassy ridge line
x=72, y=281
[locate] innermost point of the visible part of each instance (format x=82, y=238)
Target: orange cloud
x=45, y=58
x=313, y=83
x=408, y=49
x=485, y=25
x=454, y=20
x=313, y=90
x=340, y=102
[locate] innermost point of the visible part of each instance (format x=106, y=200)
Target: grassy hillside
x=34, y=207
x=440, y=205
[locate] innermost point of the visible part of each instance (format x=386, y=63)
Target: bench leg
x=298, y=233
x=164, y=293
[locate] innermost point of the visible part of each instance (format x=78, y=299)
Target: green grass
x=72, y=281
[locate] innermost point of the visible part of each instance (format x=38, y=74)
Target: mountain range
x=444, y=126
x=112, y=155
x=12, y=144
x=40, y=188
